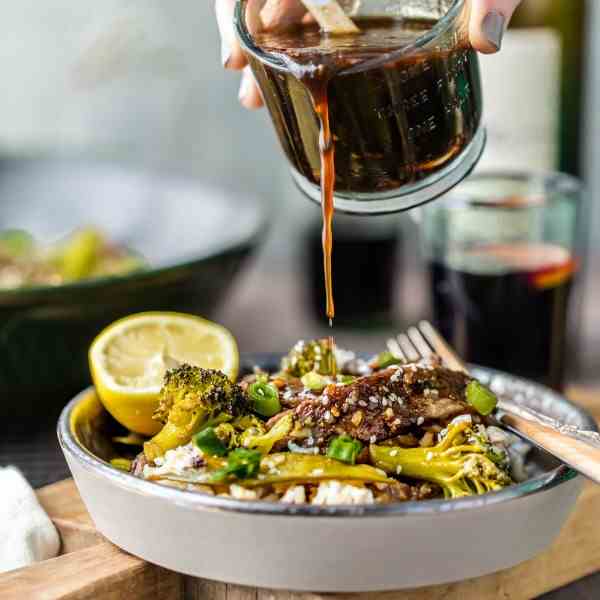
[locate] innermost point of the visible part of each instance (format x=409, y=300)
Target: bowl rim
x=196, y=500
x=245, y=240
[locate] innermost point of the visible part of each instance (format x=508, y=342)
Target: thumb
x=488, y=22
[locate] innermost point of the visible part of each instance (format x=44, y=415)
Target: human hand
x=488, y=22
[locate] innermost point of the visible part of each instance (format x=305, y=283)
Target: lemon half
x=128, y=361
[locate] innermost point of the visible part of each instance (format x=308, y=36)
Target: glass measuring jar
x=403, y=99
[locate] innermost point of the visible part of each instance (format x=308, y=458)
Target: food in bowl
x=84, y=254
x=329, y=428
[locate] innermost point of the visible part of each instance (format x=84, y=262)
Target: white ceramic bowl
x=332, y=549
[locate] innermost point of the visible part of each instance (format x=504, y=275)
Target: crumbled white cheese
x=294, y=495
x=336, y=492
x=497, y=435
x=461, y=419
x=242, y=493
x=343, y=356
x=300, y=450
x=175, y=461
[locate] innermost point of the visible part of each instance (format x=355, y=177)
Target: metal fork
x=578, y=448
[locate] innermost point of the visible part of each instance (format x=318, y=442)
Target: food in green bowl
x=84, y=254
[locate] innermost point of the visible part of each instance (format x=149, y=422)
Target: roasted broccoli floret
x=264, y=441
x=189, y=399
x=462, y=463
x=304, y=357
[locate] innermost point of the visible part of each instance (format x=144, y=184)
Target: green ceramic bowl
x=194, y=238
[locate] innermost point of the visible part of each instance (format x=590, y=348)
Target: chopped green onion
x=241, y=464
x=344, y=448
x=313, y=381
x=345, y=378
x=386, y=359
x=209, y=443
x=265, y=398
x=482, y=399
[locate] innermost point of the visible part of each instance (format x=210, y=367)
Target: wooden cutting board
x=91, y=568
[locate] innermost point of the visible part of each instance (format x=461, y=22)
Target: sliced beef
x=385, y=404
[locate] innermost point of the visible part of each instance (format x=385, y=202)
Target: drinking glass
x=503, y=252
x=405, y=117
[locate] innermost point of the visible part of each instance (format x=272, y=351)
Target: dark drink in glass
x=507, y=307
x=503, y=252
x=366, y=270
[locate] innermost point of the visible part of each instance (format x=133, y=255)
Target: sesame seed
x=317, y=472
x=420, y=421
x=429, y=456
x=327, y=416
x=384, y=402
x=362, y=403
x=394, y=453
x=398, y=469
x=357, y=418
x=373, y=439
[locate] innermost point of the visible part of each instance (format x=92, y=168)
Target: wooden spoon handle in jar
x=580, y=449
x=331, y=17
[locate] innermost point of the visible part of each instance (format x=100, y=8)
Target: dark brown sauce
x=327, y=151
x=357, y=128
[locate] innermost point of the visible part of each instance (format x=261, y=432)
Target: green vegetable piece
x=209, y=443
x=285, y=467
x=313, y=381
x=131, y=439
x=80, y=254
x=123, y=464
x=288, y=467
x=316, y=355
x=460, y=464
x=264, y=442
x=481, y=398
x=265, y=399
x=344, y=448
x=16, y=242
x=249, y=421
x=345, y=379
x=241, y=464
x=386, y=359
x=189, y=399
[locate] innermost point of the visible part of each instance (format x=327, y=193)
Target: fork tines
x=422, y=341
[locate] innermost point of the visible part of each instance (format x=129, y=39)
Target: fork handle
x=569, y=446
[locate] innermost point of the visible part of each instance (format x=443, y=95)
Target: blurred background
x=139, y=83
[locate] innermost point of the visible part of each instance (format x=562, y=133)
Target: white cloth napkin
x=27, y=534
